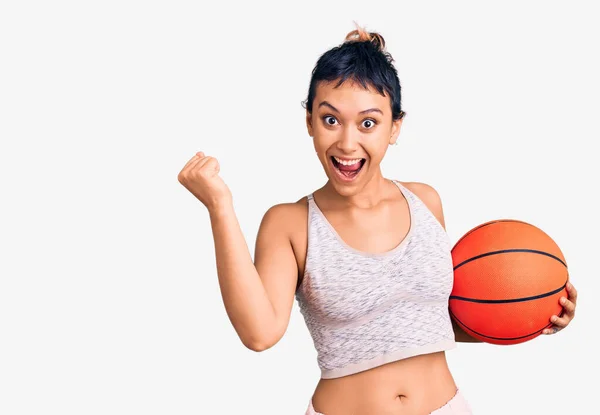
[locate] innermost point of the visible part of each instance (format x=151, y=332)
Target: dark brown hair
x=362, y=58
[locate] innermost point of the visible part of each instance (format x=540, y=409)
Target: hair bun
x=361, y=35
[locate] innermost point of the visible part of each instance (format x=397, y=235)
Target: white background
x=109, y=301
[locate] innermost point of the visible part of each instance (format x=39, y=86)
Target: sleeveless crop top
x=364, y=309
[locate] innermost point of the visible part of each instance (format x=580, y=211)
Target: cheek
x=320, y=148
x=322, y=134
x=377, y=147
x=323, y=139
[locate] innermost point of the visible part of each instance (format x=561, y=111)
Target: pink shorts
x=458, y=405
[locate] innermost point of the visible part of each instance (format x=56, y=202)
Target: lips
x=347, y=164
x=347, y=169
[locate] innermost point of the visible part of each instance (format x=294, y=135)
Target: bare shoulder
x=287, y=224
x=287, y=212
x=287, y=217
x=427, y=193
x=430, y=197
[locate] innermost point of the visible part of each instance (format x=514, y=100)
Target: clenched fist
x=201, y=177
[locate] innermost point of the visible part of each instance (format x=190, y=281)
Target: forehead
x=351, y=97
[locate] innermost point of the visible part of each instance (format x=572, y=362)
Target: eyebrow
x=327, y=104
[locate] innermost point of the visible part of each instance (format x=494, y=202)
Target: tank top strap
x=312, y=209
x=408, y=195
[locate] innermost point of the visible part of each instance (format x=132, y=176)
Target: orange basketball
x=508, y=278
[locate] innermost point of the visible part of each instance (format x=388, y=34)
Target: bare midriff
x=416, y=385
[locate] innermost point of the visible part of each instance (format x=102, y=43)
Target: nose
x=348, y=141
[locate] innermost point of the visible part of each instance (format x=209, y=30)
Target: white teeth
x=347, y=162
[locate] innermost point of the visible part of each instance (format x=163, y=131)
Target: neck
x=371, y=194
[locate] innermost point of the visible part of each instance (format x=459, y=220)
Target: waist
x=419, y=384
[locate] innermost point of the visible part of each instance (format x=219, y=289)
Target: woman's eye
x=368, y=124
x=329, y=120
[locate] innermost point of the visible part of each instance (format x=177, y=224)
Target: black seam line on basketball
x=504, y=251
x=500, y=338
x=510, y=300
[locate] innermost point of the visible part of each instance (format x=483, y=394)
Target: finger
x=204, y=161
x=206, y=167
x=197, y=157
x=572, y=293
x=200, y=160
x=190, y=166
x=561, y=322
x=212, y=165
x=568, y=305
x=552, y=330
x=198, y=163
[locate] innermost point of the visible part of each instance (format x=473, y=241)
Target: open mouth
x=348, y=169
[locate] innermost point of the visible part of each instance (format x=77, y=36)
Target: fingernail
x=563, y=300
x=554, y=318
x=569, y=286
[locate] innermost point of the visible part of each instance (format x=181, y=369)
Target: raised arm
x=258, y=299
x=258, y=296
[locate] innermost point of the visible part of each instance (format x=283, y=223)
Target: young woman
x=367, y=258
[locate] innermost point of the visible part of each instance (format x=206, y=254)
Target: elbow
x=260, y=344
x=257, y=346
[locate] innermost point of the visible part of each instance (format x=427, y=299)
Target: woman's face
x=351, y=128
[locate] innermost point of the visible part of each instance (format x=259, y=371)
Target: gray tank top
x=364, y=309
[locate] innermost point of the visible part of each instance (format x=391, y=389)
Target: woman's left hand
x=568, y=314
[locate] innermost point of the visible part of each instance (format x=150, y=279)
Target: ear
x=396, y=130
x=309, y=123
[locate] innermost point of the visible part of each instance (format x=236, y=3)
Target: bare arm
x=432, y=200
x=258, y=297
